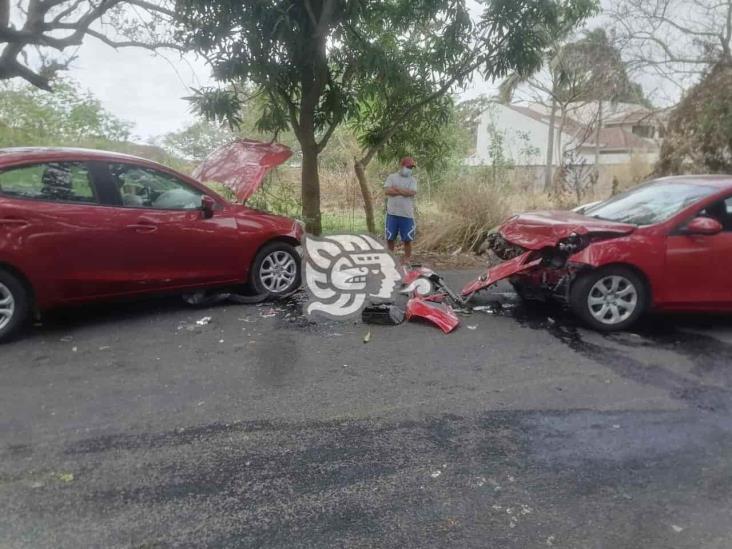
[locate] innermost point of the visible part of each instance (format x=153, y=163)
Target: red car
x=82, y=225
x=666, y=246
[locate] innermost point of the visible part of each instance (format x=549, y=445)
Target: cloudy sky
x=139, y=86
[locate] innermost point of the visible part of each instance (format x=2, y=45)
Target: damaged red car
x=664, y=246
x=80, y=225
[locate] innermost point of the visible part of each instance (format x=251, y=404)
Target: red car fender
x=499, y=272
x=437, y=313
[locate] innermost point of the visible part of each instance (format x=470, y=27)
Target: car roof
x=719, y=181
x=15, y=155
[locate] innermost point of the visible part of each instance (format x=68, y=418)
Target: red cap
x=408, y=162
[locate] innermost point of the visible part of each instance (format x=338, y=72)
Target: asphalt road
x=133, y=426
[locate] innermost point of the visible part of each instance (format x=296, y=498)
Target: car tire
x=610, y=299
x=276, y=270
x=15, y=306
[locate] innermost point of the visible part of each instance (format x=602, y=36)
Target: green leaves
x=66, y=115
x=216, y=104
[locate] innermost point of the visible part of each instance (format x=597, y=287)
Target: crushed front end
x=540, y=255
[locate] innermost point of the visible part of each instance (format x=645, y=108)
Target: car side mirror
x=208, y=205
x=703, y=226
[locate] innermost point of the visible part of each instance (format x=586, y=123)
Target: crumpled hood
x=536, y=230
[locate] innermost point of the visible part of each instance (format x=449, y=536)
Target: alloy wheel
x=278, y=271
x=7, y=306
x=612, y=299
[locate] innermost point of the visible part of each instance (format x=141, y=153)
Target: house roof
x=616, y=138
x=611, y=138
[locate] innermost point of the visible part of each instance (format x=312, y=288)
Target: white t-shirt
x=400, y=205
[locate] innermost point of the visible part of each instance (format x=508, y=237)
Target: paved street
x=134, y=426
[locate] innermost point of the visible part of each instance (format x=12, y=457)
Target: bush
x=461, y=216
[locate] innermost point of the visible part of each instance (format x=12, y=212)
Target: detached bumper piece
x=439, y=314
x=519, y=264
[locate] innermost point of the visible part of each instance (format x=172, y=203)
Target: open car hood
x=537, y=230
x=242, y=165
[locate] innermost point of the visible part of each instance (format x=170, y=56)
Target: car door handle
x=14, y=222
x=143, y=227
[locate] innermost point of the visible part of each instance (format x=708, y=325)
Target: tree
x=34, y=34
x=68, y=116
x=678, y=40
x=564, y=83
x=198, y=140
x=305, y=58
x=699, y=133
x=408, y=112
x=576, y=73
x=310, y=58
x=608, y=80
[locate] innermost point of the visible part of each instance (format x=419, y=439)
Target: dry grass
x=460, y=217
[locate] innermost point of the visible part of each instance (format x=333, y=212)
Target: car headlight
x=572, y=244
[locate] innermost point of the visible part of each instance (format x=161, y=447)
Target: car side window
x=721, y=211
x=50, y=181
x=146, y=188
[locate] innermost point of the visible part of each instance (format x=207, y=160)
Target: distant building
x=519, y=133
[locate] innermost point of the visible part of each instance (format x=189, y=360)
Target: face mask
x=406, y=172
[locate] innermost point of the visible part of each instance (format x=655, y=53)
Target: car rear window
x=51, y=181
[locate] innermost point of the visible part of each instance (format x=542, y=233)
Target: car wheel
x=14, y=305
x=276, y=270
x=609, y=299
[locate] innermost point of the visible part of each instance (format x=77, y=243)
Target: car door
x=163, y=237
x=53, y=227
x=698, y=266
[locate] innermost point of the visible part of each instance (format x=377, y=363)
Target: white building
x=520, y=134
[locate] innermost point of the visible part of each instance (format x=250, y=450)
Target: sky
x=139, y=86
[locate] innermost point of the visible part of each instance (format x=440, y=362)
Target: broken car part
x=439, y=314
x=384, y=314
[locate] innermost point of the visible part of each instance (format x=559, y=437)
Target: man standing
x=400, y=189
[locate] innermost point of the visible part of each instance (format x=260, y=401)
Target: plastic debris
x=367, y=337
x=472, y=327
x=436, y=474
x=203, y=321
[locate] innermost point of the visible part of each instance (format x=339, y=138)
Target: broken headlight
x=556, y=257
x=572, y=244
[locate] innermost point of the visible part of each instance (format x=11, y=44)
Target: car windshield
x=650, y=204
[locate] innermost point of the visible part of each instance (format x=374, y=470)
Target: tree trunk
x=550, y=148
x=311, y=190
x=368, y=201
x=557, y=179
x=597, y=136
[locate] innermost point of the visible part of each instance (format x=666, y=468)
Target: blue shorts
x=404, y=227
